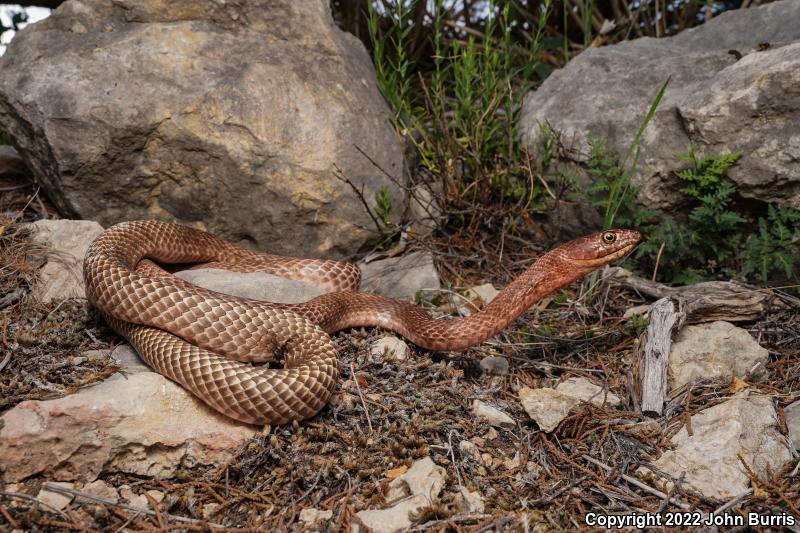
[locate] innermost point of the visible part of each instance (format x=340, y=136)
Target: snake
x=273, y=363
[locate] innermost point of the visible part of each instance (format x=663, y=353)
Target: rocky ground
x=532, y=430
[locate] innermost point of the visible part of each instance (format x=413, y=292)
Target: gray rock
x=547, y=407
x=584, y=390
x=717, y=350
x=745, y=426
x=400, y=277
x=469, y=501
x=62, y=276
x=419, y=487
x=255, y=285
x=311, y=516
x=231, y=116
x=713, y=101
x=792, y=416
x=491, y=414
x=55, y=500
x=495, y=365
x=389, y=348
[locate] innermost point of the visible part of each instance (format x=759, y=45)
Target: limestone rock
x=415, y=490
x=55, y=500
x=717, y=350
x=311, y=516
x=101, y=489
x=137, y=422
x=389, y=348
x=495, y=365
x=400, y=277
x=547, y=407
x=423, y=478
x=491, y=414
x=792, y=415
x=485, y=292
x=255, y=285
x=746, y=426
x=470, y=501
x=469, y=450
x=62, y=276
x=231, y=116
x=711, y=102
x=584, y=390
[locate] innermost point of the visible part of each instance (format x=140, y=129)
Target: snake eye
x=609, y=237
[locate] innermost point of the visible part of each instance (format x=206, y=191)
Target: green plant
x=462, y=119
x=715, y=239
x=383, y=208
x=770, y=249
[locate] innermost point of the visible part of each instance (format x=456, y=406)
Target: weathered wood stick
x=667, y=315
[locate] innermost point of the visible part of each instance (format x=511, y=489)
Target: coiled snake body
x=207, y=341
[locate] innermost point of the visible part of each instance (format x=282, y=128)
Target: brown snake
x=190, y=334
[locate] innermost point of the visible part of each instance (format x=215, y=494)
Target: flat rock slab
x=716, y=351
x=714, y=101
x=745, y=426
x=62, y=276
x=137, y=422
x=400, y=277
x=255, y=285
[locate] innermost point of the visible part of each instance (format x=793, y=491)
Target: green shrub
x=715, y=239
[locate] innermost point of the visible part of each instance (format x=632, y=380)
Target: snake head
x=598, y=249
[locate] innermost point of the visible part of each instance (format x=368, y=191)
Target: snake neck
x=343, y=310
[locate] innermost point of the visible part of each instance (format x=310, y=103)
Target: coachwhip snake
x=192, y=335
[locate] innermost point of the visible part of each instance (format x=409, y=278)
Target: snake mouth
x=605, y=259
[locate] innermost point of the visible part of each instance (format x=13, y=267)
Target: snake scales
x=207, y=341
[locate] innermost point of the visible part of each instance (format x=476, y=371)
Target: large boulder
x=715, y=100
x=229, y=116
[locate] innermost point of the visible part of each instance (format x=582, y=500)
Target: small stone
x=716, y=351
x=491, y=434
x=389, y=348
x=469, y=502
x=584, y=390
x=412, y=491
x=134, y=500
x=311, y=515
x=547, y=407
x=513, y=462
x=469, y=450
x=423, y=478
x=492, y=415
x=394, y=519
x=157, y=495
x=210, y=509
x=495, y=365
x=55, y=500
x=485, y=292
x=343, y=400
x=792, y=416
x=96, y=355
x=487, y=459
x=101, y=489
x=75, y=361
x=636, y=310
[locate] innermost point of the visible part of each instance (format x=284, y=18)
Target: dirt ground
x=341, y=460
